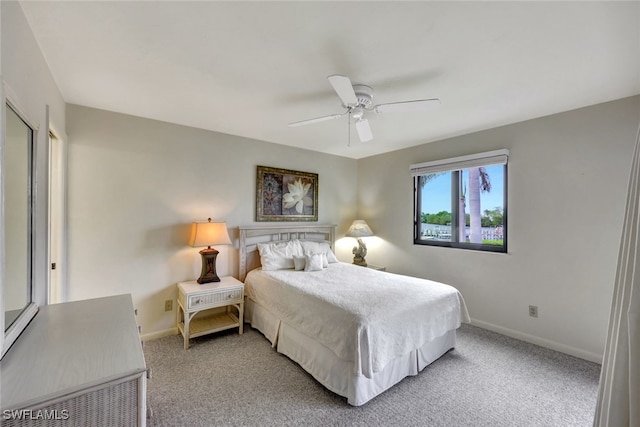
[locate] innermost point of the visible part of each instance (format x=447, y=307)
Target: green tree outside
x=490, y=218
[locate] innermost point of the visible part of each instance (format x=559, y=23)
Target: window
x=462, y=202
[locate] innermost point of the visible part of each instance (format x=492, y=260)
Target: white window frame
x=489, y=158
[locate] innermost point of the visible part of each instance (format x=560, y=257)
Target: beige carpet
x=487, y=380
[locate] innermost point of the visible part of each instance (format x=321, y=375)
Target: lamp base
x=359, y=253
x=208, y=273
x=359, y=261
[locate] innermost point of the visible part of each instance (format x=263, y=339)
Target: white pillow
x=312, y=247
x=325, y=260
x=279, y=255
x=299, y=262
x=313, y=262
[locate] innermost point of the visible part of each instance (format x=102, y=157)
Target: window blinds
x=497, y=157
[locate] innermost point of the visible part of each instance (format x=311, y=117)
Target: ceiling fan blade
x=315, y=120
x=364, y=130
x=417, y=105
x=343, y=87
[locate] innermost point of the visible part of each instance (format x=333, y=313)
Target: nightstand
x=195, y=316
x=377, y=267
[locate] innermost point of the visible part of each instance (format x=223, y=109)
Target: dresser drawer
x=217, y=298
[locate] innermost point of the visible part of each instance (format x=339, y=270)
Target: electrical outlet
x=533, y=310
x=168, y=305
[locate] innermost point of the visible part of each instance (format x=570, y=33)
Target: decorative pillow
x=313, y=262
x=299, y=262
x=325, y=260
x=313, y=247
x=279, y=255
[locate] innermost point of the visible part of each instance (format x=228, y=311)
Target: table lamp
x=359, y=228
x=208, y=234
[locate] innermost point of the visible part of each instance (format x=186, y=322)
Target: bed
x=357, y=331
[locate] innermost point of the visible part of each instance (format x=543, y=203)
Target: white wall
x=28, y=83
x=135, y=185
x=32, y=87
x=568, y=176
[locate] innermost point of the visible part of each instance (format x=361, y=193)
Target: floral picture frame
x=286, y=195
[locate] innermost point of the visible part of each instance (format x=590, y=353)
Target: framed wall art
x=286, y=195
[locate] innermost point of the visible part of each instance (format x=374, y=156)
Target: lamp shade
x=359, y=228
x=209, y=233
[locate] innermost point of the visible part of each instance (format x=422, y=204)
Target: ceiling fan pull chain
x=349, y=130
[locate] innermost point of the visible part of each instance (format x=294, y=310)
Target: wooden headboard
x=251, y=235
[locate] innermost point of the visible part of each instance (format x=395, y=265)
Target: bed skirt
x=336, y=374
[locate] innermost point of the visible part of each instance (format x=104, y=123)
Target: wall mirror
x=18, y=166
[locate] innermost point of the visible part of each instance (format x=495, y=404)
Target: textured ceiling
x=249, y=68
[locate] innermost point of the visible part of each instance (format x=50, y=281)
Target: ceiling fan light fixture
x=357, y=113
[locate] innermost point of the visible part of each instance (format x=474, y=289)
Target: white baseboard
x=159, y=334
x=563, y=348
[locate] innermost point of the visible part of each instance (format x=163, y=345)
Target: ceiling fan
x=357, y=100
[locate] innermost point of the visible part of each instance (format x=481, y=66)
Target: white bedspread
x=361, y=314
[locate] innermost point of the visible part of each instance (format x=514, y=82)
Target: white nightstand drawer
x=229, y=296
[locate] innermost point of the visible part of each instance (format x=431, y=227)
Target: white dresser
x=76, y=364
